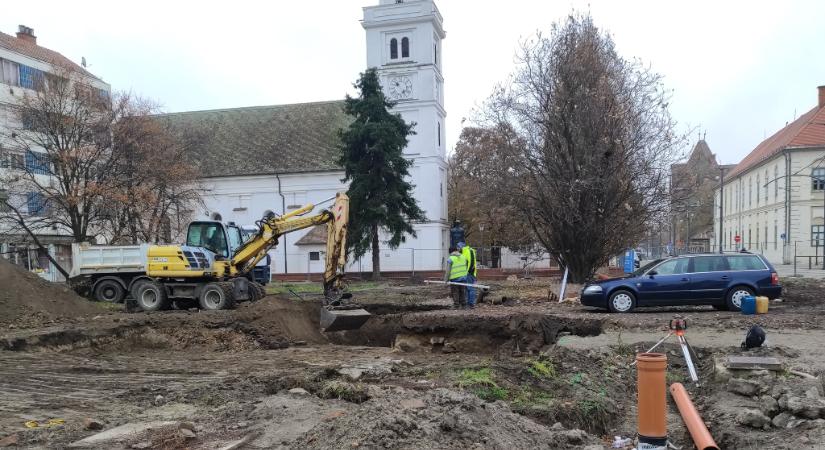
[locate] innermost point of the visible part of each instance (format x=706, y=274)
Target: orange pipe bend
x=698, y=431
x=652, y=398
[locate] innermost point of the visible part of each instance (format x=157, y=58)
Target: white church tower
x=404, y=44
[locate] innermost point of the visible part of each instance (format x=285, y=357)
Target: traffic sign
x=737, y=238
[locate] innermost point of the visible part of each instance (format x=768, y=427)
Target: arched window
x=217, y=216
x=393, y=48
x=405, y=47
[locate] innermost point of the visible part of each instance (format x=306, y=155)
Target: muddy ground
x=520, y=371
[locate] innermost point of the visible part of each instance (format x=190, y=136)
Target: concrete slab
x=118, y=433
x=753, y=362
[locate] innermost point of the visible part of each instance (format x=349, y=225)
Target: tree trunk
x=376, y=254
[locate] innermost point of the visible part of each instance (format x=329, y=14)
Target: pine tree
x=372, y=146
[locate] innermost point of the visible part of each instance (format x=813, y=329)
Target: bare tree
x=91, y=166
x=58, y=144
x=155, y=186
x=482, y=157
x=598, y=144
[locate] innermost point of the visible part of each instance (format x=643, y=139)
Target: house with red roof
x=773, y=201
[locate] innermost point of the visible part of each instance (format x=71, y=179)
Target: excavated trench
x=279, y=324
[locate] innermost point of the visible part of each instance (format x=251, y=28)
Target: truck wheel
x=151, y=296
x=109, y=291
x=213, y=296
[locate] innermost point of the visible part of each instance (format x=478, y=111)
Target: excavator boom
x=338, y=312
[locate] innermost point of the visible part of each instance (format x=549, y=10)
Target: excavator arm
x=338, y=313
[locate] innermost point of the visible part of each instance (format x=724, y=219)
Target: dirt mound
x=441, y=418
x=26, y=300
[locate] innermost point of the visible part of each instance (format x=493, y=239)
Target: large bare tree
x=82, y=161
x=482, y=157
x=598, y=143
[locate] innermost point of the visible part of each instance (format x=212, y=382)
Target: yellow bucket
x=761, y=305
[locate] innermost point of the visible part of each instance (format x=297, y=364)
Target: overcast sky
x=739, y=70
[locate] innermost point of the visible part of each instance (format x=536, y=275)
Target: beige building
x=774, y=199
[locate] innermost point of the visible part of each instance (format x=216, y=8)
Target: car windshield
x=645, y=267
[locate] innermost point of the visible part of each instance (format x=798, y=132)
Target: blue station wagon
x=721, y=280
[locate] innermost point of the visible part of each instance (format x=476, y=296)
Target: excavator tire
x=216, y=296
x=151, y=296
x=260, y=291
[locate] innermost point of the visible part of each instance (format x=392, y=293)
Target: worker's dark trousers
x=459, y=293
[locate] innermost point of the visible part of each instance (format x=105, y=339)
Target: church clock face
x=401, y=88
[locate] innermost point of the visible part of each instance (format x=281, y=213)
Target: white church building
x=278, y=158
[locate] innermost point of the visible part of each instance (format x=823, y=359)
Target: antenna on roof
x=83, y=61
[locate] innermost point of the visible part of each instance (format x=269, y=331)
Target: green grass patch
x=527, y=398
x=481, y=382
x=543, y=370
x=355, y=393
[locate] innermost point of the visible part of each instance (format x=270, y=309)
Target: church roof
x=261, y=140
x=806, y=131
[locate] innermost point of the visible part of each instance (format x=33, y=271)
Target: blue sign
x=629, y=261
x=782, y=236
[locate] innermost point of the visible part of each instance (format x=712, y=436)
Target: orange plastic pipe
x=652, y=398
x=698, y=431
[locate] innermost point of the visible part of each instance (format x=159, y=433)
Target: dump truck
x=214, y=269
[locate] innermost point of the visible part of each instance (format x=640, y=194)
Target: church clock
x=401, y=88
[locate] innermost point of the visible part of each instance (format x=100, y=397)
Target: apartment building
x=24, y=67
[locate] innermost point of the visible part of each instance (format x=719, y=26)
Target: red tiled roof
x=41, y=53
x=806, y=131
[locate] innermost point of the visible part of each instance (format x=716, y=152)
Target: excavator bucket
x=338, y=318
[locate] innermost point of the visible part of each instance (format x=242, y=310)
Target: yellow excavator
x=215, y=266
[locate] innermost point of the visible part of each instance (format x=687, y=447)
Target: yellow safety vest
x=469, y=254
x=458, y=267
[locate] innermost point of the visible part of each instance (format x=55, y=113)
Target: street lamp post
x=721, y=206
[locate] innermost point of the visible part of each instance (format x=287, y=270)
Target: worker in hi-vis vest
x=469, y=255
x=457, y=272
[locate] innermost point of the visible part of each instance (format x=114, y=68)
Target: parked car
x=721, y=280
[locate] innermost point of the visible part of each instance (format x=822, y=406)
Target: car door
x=709, y=278
x=665, y=284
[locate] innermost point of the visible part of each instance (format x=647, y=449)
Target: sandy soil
x=520, y=371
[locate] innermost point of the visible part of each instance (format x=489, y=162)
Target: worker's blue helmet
x=461, y=245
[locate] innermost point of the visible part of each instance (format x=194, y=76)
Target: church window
x=393, y=48
x=439, y=134
x=435, y=54
x=405, y=47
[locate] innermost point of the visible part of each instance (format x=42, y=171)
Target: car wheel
x=109, y=291
x=621, y=302
x=735, y=296
x=151, y=296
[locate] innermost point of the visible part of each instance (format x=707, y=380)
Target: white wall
x=749, y=214
x=244, y=200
